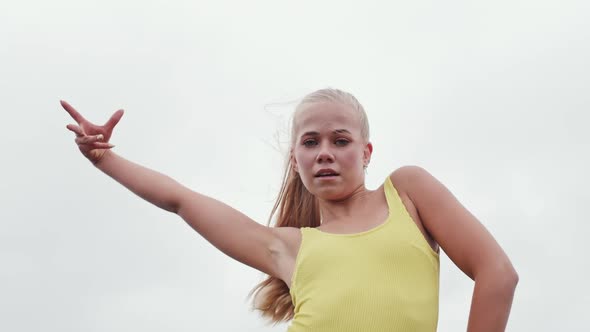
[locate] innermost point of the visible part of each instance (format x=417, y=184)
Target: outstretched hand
x=92, y=140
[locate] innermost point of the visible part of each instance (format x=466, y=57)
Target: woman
x=342, y=257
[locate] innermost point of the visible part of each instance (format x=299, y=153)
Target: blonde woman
x=340, y=257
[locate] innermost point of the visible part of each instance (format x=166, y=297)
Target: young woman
x=341, y=257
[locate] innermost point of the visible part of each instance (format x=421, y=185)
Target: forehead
x=326, y=116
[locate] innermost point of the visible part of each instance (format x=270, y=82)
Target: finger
x=89, y=139
x=102, y=145
x=76, y=129
x=114, y=119
x=72, y=111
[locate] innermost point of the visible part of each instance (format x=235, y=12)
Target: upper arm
x=232, y=232
x=463, y=238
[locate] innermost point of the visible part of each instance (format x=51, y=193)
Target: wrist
x=100, y=162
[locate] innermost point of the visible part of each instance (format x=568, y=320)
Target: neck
x=346, y=208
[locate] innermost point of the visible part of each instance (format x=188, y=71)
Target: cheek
x=351, y=158
x=304, y=160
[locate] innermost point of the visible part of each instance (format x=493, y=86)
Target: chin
x=329, y=194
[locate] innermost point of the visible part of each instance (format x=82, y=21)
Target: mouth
x=326, y=173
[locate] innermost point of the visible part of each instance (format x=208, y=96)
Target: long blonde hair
x=297, y=207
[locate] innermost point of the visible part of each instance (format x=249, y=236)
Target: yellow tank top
x=383, y=279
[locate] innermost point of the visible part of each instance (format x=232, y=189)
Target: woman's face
x=328, y=150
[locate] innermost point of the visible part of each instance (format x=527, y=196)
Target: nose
x=324, y=154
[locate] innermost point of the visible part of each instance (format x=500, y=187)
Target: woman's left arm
x=469, y=245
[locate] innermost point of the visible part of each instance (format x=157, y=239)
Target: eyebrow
x=337, y=131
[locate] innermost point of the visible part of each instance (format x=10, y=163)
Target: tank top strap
x=394, y=201
x=398, y=213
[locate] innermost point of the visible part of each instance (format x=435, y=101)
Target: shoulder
x=408, y=176
x=420, y=186
x=458, y=232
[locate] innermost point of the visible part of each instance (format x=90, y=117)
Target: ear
x=367, y=151
x=293, y=161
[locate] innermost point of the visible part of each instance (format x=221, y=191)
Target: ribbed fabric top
x=383, y=279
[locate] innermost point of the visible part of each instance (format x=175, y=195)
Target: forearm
x=154, y=187
x=491, y=302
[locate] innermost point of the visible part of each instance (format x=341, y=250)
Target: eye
x=341, y=142
x=310, y=142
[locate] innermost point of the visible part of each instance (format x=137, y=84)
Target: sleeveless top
x=383, y=279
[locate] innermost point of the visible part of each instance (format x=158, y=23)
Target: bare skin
x=373, y=210
x=366, y=205
x=327, y=137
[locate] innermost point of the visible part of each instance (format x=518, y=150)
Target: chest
x=387, y=267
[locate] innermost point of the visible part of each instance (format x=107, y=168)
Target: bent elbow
x=508, y=276
x=503, y=275
x=514, y=278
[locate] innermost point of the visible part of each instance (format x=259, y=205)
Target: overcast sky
x=491, y=97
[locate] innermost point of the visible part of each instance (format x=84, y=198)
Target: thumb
x=114, y=119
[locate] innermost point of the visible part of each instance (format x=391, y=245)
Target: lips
x=326, y=172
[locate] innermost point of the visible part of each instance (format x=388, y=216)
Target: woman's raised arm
x=229, y=230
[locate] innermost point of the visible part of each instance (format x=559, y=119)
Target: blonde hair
x=297, y=207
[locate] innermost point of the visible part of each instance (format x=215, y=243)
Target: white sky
x=490, y=97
